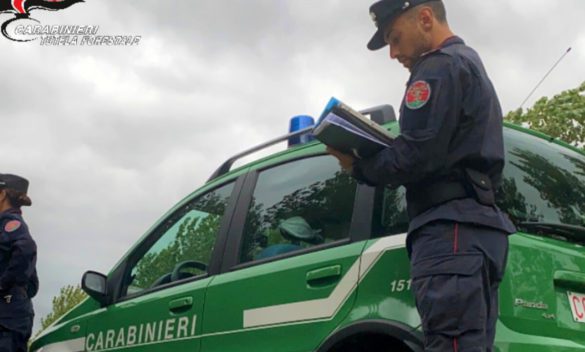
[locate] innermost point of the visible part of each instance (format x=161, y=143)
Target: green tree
x=68, y=298
x=562, y=116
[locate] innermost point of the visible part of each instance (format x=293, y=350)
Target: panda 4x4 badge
x=418, y=95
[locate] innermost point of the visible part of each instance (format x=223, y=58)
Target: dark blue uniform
x=18, y=281
x=450, y=157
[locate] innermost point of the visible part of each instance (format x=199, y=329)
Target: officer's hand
x=345, y=160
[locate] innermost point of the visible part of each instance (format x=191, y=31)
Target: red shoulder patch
x=12, y=226
x=418, y=95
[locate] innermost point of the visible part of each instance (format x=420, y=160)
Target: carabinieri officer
x=18, y=276
x=450, y=157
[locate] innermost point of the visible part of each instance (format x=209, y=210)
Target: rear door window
x=389, y=216
x=298, y=205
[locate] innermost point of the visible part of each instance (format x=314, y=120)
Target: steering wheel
x=165, y=279
x=176, y=274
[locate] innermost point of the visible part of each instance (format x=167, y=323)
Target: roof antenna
x=545, y=76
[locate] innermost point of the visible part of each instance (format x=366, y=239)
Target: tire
x=372, y=343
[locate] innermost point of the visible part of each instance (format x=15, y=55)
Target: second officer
x=18, y=276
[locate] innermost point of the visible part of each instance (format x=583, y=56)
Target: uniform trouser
x=15, y=340
x=456, y=270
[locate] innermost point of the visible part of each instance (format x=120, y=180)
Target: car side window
x=298, y=205
x=389, y=216
x=184, y=243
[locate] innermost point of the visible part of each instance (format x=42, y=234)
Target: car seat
x=296, y=230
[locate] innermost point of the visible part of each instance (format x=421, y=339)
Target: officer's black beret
x=383, y=13
x=17, y=183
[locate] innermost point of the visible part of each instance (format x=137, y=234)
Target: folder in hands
x=349, y=131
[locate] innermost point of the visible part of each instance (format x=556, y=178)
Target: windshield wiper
x=571, y=233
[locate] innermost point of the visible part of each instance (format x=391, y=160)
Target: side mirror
x=95, y=285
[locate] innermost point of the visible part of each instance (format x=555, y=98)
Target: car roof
x=316, y=147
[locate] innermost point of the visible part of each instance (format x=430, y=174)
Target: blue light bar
x=298, y=123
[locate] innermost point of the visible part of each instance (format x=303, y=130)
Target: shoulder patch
x=418, y=95
x=12, y=226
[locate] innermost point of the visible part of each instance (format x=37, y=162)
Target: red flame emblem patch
x=12, y=226
x=418, y=95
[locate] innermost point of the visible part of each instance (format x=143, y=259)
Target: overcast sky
x=112, y=137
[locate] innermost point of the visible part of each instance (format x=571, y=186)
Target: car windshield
x=543, y=182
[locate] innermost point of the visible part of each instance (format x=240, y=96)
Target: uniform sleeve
x=427, y=127
x=21, y=265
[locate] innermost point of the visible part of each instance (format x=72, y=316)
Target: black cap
x=13, y=182
x=383, y=13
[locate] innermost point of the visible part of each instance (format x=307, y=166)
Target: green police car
x=290, y=254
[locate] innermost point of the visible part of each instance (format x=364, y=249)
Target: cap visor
x=26, y=201
x=377, y=41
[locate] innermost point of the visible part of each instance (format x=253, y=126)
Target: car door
x=291, y=269
x=164, y=279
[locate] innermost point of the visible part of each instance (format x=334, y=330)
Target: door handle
x=323, y=277
x=182, y=303
x=569, y=279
